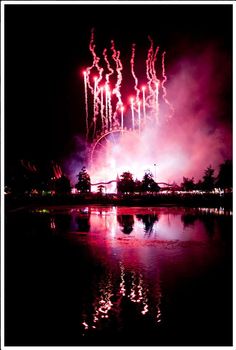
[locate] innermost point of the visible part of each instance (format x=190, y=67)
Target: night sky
x=46, y=48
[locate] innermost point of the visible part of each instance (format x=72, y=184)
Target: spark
x=116, y=90
x=133, y=73
x=105, y=109
x=144, y=105
x=86, y=103
x=163, y=87
x=132, y=110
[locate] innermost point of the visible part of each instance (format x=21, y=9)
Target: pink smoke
x=198, y=134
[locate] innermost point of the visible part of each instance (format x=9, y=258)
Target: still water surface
x=119, y=276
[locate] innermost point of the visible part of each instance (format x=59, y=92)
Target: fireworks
x=116, y=114
x=104, y=79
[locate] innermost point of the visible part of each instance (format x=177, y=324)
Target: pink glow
x=140, y=254
x=196, y=136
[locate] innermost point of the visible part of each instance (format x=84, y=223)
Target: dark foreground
x=159, y=199
x=105, y=275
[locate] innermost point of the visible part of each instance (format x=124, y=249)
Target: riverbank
x=186, y=199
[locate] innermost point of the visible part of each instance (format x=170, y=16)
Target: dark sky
x=47, y=45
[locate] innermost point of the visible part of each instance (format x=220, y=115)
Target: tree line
x=29, y=179
x=127, y=185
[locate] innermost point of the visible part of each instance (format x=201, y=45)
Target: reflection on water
x=126, y=222
x=143, y=255
x=148, y=221
x=108, y=300
x=161, y=224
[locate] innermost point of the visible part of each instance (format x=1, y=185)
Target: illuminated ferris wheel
x=106, y=140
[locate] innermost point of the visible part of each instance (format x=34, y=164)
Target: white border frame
x=3, y=3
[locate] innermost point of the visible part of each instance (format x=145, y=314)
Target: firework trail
x=156, y=81
x=153, y=82
x=109, y=108
x=163, y=87
x=106, y=104
x=108, y=66
x=153, y=65
x=149, y=71
x=139, y=117
x=132, y=110
x=28, y=166
x=133, y=73
x=116, y=90
x=107, y=101
x=95, y=64
x=57, y=171
x=95, y=111
x=86, y=104
x=91, y=49
x=102, y=107
x=111, y=71
x=144, y=105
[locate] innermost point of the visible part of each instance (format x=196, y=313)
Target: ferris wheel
x=108, y=139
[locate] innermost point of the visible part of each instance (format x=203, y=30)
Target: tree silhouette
x=126, y=183
x=208, y=182
x=199, y=185
x=148, y=184
x=138, y=186
x=188, y=184
x=84, y=184
x=225, y=177
x=62, y=185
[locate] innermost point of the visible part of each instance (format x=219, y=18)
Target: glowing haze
x=166, y=120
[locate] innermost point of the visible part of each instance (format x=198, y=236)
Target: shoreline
x=159, y=200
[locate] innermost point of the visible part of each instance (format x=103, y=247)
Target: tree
x=148, y=182
x=84, y=184
x=24, y=178
x=126, y=183
x=199, y=185
x=138, y=186
x=62, y=185
x=208, y=182
x=188, y=184
x=155, y=187
x=224, y=179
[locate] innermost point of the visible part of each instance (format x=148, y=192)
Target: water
x=118, y=276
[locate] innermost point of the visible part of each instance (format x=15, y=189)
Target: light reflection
x=154, y=232
x=52, y=223
x=138, y=293
x=102, y=304
x=161, y=224
x=122, y=277
x=158, y=306
x=217, y=211
x=109, y=300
